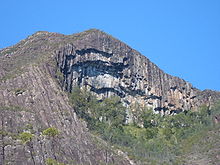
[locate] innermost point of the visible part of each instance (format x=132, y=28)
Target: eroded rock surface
x=108, y=67
x=35, y=73
x=33, y=102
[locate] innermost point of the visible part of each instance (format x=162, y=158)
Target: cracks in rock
x=105, y=90
x=154, y=97
x=93, y=64
x=173, y=88
x=70, y=57
x=132, y=92
x=71, y=83
x=92, y=50
x=171, y=105
x=193, y=97
x=98, y=67
x=43, y=151
x=164, y=109
x=176, y=111
x=53, y=147
x=31, y=152
x=125, y=59
x=90, y=69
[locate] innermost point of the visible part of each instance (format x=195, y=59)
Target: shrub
x=25, y=137
x=59, y=76
x=52, y=132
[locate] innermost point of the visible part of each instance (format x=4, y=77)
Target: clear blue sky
x=181, y=36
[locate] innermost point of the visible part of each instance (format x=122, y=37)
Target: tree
x=84, y=103
x=113, y=112
x=149, y=118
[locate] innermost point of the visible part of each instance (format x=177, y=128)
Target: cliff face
x=31, y=99
x=107, y=67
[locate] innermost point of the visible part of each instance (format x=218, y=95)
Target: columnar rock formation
x=108, y=67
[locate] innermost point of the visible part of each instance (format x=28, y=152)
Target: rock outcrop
x=32, y=101
x=108, y=67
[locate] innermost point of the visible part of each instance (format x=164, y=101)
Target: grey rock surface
x=31, y=100
x=41, y=105
x=108, y=67
x=36, y=72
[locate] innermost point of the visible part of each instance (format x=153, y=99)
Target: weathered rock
x=31, y=99
x=108, y=67
x=42, y=104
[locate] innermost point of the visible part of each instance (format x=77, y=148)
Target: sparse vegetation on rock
x=51, y=132
x=25, y=137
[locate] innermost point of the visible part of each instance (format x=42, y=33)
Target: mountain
x=37, y=74
x=32, y=103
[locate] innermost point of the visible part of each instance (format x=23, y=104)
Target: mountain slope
x=202, y=149
x=35, y=73
x=31, y=101
x=107, y=66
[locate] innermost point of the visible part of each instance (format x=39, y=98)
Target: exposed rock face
x=31, y=99
x=33, y=102
x=109, y=67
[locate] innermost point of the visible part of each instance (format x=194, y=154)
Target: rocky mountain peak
x=108, y=67
x=36, y=73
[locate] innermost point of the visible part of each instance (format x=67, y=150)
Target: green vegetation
x=51, y=132
x=50, y=161
x=60, y=77
x=105, y=118
x=156, y=139
x=25, y=137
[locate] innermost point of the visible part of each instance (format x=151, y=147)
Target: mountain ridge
x=3, y=51
x=99, y=37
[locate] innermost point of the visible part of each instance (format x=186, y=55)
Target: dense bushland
x=156, y=139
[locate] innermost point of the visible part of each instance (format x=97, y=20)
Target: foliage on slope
x=159, y=140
